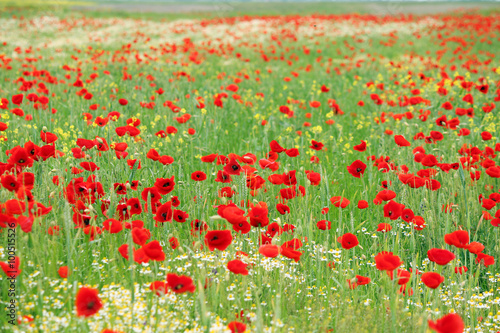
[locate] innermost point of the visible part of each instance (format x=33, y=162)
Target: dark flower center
x=179, y=286
x=90, y=305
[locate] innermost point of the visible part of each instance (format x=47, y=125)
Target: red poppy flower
x=17, y=99
x=63, y=272
x=10, y=183
x=401, y=141
x=290, y=253
x=112, y=226
x=486, y=136
x=165, y=185
x=223, y=177
x=218, y=239
x=493, y=172
x=361, y=147
x=283, y=209
x=243, y=227
x=459, y=238
x=432, y=279
x=259, y=216
x=450, y=323
x=339, y=202
x=237, y=267
x=460, y=270
x=324, y=225
x=123, y=249
x=485, y=259
x=384, y=227
x=11, y=268
x=348, y=241
x=160, y=288
x=180, y=216
x=87, y=302
x=198, y=176
x=475, y=247
x=20, y=157
x=275, y=147
x=362, y=204
x=359, y=280
x=269, y=250
x=357, y=168
x=174, y=243
x=164, y=213
x=292, y=152
x=440, y=256
x=407, y=215
x=48, y=137
x=209, y=158
x=316, y=145
x=393, y=210
x=198, y=227
x=154, y=251
x=232, y=168
x=140, y=236
x=386, y=261
x=314, y=104
x=237, y=327
x=314, y=177
x=180, y=283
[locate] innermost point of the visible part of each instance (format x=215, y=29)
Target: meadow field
x=249, y=169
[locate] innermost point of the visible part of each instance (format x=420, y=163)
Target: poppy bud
x=278, y=220
x=44, y=129
x=181, y=250
x=197, y=245
x=98, y=139
x=128, y=186
x=52, y=194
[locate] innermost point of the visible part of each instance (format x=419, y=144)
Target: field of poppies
x=293, y=173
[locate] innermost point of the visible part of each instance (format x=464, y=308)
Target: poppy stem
x=462, y=177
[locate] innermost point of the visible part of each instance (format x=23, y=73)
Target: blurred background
x=167, y=9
